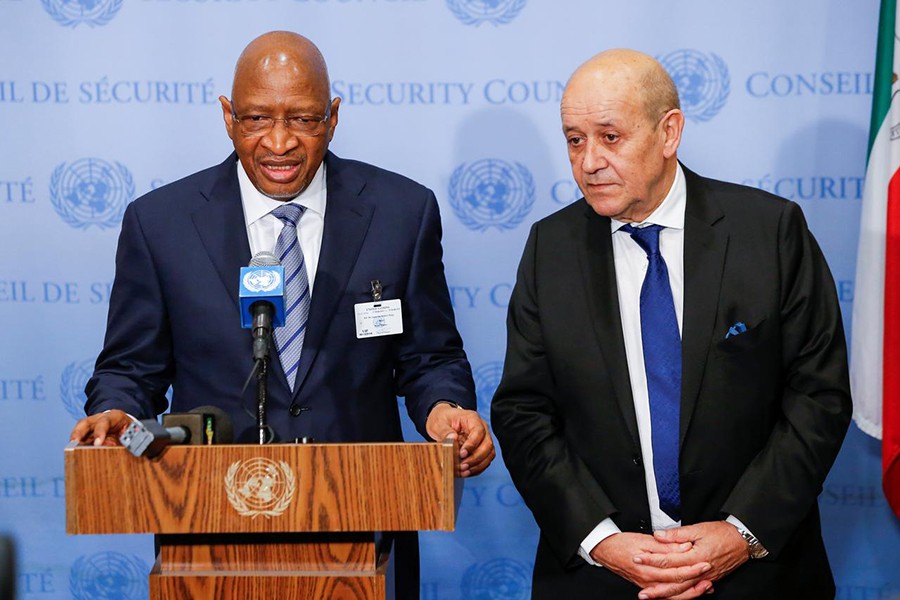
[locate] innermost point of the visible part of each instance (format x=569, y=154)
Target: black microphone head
x=264, y=258
x=223, y=428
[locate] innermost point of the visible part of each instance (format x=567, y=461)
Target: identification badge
x=374, y=319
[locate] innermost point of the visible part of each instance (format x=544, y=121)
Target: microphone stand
x=262, y=323
x=262, y=388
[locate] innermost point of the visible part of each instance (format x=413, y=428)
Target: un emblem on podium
x=495, y=12
x=108, y=576
x=260, y=486
x=491, y=193
x=702, y=80
x=71, y=13
x=91, y=191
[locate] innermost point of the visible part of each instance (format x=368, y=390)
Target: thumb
x=675, y=535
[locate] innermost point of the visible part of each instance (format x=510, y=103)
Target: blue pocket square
x=736, y=329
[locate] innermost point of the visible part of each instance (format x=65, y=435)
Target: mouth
x=280, y=172
x=600, y=187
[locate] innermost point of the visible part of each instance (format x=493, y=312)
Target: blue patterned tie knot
x=289, y=339
x=661, y=343
x=646, y=237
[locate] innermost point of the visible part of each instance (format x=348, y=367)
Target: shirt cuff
x=602, y=531
x=737, y=523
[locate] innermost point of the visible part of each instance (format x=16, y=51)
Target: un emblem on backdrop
x=71, y=386
x=495, y=12
x=487, y=378
x=702, y=80
x=91, y=191
x=71, y=13
x=491, y=193
x=109, y=576
x=497, y=579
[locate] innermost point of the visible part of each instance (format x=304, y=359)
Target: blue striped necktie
x=289, y=339
x=661, y=343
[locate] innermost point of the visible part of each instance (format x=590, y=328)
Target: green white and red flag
x=875, y=346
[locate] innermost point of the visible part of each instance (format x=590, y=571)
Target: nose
x=594, y=158
x=280, y=140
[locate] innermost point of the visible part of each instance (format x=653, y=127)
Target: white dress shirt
x=631, y=266
x=263, y=227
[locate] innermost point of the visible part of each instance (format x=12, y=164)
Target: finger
x=477, y=446
x=667, y=590
x=473, y=431
x=680, y=557
x=652, y=546
x=441, y=429
x=101, y=428
x=474, y=467
x=690, y=573
x=81, y=430
x=676, y=535
x=695, y=591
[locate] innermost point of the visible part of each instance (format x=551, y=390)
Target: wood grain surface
x=312, y=488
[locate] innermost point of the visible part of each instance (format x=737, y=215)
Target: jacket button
x=644, y=525
x=637, y=461
x=295, y=410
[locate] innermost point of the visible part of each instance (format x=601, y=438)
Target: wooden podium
x=288, y=521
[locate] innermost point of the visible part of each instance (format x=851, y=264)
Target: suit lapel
x=347, y=218
x=705, y=248
x=599, y=273
x=220, y=224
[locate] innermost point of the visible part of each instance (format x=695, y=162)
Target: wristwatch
x=453, y=404
x=754, y=547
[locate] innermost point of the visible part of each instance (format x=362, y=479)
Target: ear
x=227, y=110
x=333, y=118
x=672, y=125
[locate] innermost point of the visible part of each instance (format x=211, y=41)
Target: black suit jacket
x=763, y=413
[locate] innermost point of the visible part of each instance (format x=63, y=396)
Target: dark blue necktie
x=661, y=342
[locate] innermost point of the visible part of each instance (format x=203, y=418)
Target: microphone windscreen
x=223, y=429
x=264, y=258
x=262, y=281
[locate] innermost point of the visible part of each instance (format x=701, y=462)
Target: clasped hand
x=476, y=447
x=676, y=564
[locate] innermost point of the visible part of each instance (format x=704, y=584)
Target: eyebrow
x=259, y=108
x=603, y=123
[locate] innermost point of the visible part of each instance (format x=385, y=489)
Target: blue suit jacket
x=174, y=316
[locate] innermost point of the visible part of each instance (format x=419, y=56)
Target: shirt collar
x=670, y=213
x=257, y=205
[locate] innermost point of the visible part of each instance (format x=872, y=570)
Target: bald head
x=282, y=51
x=280, y=116
x=634, y=73
x=623, y=126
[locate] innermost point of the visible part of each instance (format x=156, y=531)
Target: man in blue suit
x=174, y=317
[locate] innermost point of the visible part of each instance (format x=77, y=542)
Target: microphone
x=262, y=300
x=203, y=425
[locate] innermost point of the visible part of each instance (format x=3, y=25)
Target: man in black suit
x=174, y=318
x=675, y=388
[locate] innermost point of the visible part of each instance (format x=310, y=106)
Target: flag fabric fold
x=875, y=343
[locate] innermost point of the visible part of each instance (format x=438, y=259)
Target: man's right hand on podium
x=102, y=429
